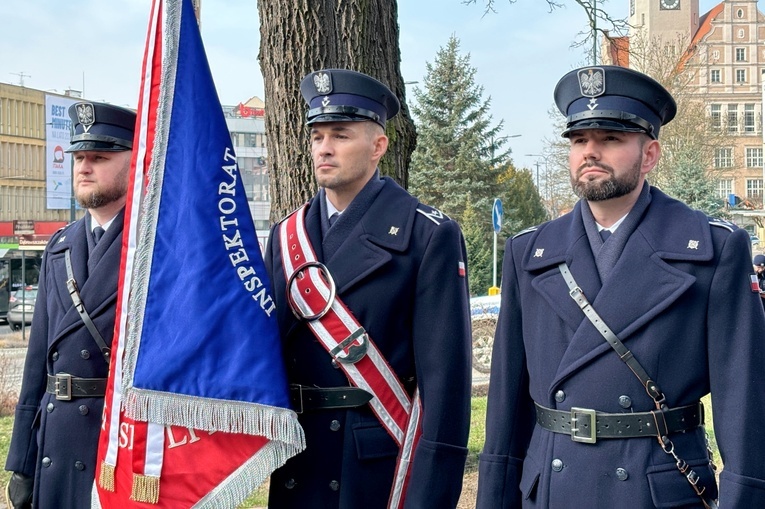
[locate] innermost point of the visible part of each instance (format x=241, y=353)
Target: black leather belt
x=578, y=422
x=313, y=398
x=66, y=387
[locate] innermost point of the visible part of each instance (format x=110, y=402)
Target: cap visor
x=95, y=146
x=605, y=125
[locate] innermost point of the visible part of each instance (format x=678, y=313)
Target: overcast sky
x=519, y=52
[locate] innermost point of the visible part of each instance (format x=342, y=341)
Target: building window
x=749, y=118
x=740, y=75
x=724, y=188
x=723, y=157
x=740, y=13
x=715, y=113
x=740, y=54
x=733, y=118
x=754, y=157
x=714, y=76
x=754, y=188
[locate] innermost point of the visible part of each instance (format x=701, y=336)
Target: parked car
x=484, y=312
x=21, y=307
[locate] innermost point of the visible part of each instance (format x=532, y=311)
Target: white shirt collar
x=614, y=226
x=105, y=226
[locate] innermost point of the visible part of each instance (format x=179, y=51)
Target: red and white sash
x=311, y=293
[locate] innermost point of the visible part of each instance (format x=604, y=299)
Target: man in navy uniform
x=58, y=417
x=615, y=320
x=399, y=280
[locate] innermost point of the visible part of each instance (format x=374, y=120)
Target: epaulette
x=431, y=213
x=527, y=230
x=722, y=223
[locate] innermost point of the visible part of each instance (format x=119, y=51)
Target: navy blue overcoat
x=396, y=269
x=56, y=440
x=680, y=299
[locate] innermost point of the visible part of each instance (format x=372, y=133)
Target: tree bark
x=301, y=36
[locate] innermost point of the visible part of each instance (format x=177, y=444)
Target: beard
x=611, y=187
x=107, y=194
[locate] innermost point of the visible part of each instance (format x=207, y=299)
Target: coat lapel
x=386, y=226
x=641, y=285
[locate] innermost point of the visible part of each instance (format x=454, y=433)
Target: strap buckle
x=300, y=272
x=576, y=416
x=353, y=348
x=63, y=387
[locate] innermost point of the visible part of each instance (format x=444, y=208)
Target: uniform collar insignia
x=539, y=252
x=323, y=83
x=61, y=239
x=592, y=81
x=693, y=244
x=393, y=230
x=86, y=115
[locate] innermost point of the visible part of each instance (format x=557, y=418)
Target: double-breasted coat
x=679, y=298
x=396, y=267
x=55, y=440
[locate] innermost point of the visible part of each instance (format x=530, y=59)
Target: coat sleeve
x=442, y=345
x=22, y=454
x=736, y=348
x=510, y=413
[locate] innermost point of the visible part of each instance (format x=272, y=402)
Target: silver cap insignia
x=86, y=115
x=323, y=83
x=592, y=81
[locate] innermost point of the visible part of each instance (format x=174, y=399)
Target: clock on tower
x=669, y=5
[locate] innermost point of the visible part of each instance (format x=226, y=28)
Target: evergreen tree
x=459, y=152
x=521, y=201
x=477, y=229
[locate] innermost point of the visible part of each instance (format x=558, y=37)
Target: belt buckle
x=296, y=310
x=575, y=428
x=63, y=387
x=355, y=347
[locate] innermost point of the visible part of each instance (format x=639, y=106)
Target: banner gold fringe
x=106, y=477
x=145, y=489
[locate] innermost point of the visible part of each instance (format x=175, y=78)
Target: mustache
x=593, y=164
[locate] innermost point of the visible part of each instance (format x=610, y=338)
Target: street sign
x=496, y=215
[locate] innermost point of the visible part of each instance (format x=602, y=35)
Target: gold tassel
x=106, y=477
x=145, y=489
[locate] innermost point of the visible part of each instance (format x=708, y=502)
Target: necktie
x=333, y=218
x=98, y=232
x=604, y=234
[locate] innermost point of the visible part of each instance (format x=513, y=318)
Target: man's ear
x=651, y=155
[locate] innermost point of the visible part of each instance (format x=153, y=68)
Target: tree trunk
x=301, y=36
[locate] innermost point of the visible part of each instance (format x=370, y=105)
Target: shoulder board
x=527, y=230
x=722, y=223
x=434, y=215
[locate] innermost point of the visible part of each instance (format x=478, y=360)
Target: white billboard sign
x=58, y=164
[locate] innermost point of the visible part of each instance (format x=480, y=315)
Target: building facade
x=723, y=49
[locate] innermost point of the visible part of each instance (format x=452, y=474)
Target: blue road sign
x=496, y=215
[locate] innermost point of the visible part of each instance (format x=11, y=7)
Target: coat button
x=557, y=465
x=625, y=401
x=622, y=474
x=335, y=364
x=290, y=483
x=334, y=425
x=46, y=462
x=560, y=396
x=85, y=354
x=50, y=407
x=83, y=409
x=334, y=485
x=54, y=356
x=79, y=465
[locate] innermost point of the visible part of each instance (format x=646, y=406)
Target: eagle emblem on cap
x=86, y=115
x=323, y=83
x=592, y=82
